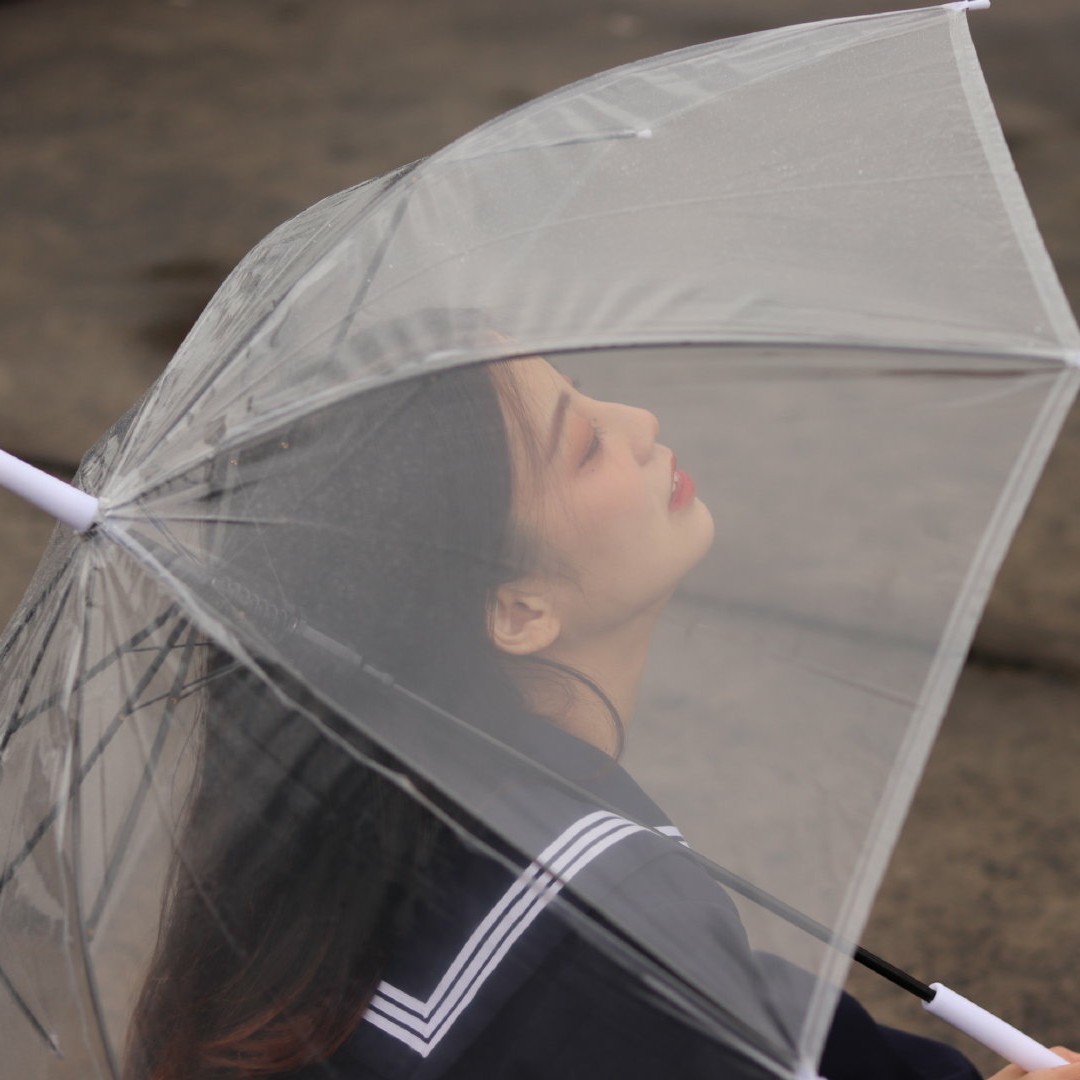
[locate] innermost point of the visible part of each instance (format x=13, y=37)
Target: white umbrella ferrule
x=969, y=5
x=990, y=1030
x=65, y=502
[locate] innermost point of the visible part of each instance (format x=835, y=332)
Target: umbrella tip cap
x=969, y=5
x=64, y=501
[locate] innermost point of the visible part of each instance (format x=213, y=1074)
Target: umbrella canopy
x=375, y=594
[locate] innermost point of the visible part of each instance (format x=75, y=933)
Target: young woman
x=497, y=548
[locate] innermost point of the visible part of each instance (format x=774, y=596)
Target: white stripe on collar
x=421, y=1025
x=673, y=832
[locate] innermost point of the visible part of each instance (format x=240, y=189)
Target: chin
x=704, y=530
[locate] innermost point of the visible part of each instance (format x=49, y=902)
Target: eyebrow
x=558, y=420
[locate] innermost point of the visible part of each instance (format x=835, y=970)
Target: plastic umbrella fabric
x=807, y=253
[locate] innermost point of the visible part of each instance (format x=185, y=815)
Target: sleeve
x=857, y=1047
x=856, y=1040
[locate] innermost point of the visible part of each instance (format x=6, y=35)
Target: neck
x=614, y=662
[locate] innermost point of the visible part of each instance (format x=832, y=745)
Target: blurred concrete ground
x=145, y=145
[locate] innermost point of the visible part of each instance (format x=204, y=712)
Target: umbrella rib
x=29, y=614
x=1050, y=359
x=120, y=843
x=19, y=722
x=770, y=902
x=721, y=874
x=231, y=354
x=181, y=859
x=48, y=820
x=28, y=1014
x=185, y=691
x=16, y=721
x=73, y=866
x=369, y=278
x=153, y=648
x=1053, y=360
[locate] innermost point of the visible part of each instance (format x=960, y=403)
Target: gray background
x=145, y=145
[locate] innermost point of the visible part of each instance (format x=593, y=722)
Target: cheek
x=614, y=514
x=624, y=494
x=601, y=521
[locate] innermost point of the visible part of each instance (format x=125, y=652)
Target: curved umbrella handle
x=990, y=1030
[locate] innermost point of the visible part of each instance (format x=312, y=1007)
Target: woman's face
x=600, y=502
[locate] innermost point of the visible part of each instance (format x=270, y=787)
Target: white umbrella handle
x=990, y=1030
x=69, y=504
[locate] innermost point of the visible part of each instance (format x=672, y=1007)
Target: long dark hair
x=298, y=867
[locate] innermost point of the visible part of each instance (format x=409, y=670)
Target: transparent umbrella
x=319, y=726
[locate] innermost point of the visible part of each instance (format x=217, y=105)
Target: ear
x=522, y=619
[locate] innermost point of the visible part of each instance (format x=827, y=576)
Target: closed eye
x=595, y=444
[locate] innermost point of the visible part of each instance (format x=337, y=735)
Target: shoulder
x=486, y=928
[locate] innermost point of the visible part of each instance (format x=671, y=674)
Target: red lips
x=682, y=488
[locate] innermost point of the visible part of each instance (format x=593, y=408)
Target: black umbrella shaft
x=893, y=974
x=875, y=963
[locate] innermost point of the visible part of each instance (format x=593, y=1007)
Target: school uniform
x=502, y=974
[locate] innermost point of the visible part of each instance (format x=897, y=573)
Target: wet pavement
x=145, y=146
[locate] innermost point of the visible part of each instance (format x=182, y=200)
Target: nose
x=642, y=427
